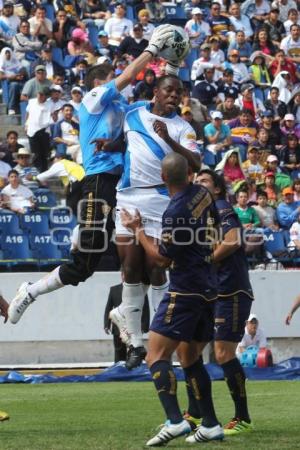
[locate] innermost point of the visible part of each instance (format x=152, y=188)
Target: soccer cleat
x=119, y=320
x=135, y=357
x=20, y=303
x=204, y=434
x=237, y=426
x=193, y=421
x=168, y=432
x=3, y=416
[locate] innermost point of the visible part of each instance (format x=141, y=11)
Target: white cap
x=216, y=115
x=102, y=59
x=77, y=89
x=196, y=11
x=252, y=317
x=56, y=87
x=289, y=117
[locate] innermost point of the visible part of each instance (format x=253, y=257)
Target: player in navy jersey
x=152, y=132
x=101, y=116
x=233, y=306
x=188, y=232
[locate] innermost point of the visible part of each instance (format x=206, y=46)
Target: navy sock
x=235, y=379
x=166, y=385
x=200, y=384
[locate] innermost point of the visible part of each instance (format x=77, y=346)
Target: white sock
x=132, y=306
x=145, y=288
x=51, y=282
x=158, y=293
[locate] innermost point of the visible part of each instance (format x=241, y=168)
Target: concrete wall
x=67, y=325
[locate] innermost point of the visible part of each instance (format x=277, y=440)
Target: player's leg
x=160, y=349
x=230, y=317
x=95, y=230
x=158, y=281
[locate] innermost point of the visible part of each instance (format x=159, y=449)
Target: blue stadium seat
x=184, y=74
x=93, y=35
x=191, y=57
x=23, y=106
x=50, y=11
x=5, y=91
x=62, y=238
x=57, y=56
x=35, y=223
x=44, y=250
x=62, y=218
x=9, y=223
x=130, y=14
x=274, y=243
x=16, y=250
x=209, y=158
x=45, y=198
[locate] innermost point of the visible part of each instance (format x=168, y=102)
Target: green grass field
x=121, y=416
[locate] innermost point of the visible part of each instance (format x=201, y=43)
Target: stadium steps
x=9, y=120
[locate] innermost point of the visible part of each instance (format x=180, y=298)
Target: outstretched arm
x=295, y=306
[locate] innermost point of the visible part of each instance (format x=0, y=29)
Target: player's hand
x=161, y=129
x=159, y=38
x=107, y=330
x=133, y=222
x=3, y=308
x=288, y=319
x=100, y=144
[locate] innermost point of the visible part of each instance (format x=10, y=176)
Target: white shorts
x=151, y=204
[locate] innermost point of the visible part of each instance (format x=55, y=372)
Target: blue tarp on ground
x=286, y=370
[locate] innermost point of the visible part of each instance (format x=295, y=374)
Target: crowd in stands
x=242, y=93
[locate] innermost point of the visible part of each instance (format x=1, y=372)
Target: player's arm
x=229, y=245
x=134, y=223
x=193, y=158
x=295, y=306
x=157, y=41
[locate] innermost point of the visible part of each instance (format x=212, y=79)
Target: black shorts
x=231, y=314
x=95, y=227
x=179, y=317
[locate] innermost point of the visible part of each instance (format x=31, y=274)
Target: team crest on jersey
x=94, y=94
x=191, y=136
x=166, y=238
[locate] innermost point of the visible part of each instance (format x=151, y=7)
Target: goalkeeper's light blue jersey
x=101, y=115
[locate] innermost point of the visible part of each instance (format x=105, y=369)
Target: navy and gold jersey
x=233, y=275
x=189, y=231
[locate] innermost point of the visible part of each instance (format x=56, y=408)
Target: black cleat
x=135, y=357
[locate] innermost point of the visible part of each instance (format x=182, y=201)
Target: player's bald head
x=175, y=169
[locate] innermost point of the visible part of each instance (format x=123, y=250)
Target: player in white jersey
x=152, y=132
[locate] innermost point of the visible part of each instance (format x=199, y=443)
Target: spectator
x=271, y=126
x=38, y=119
x=46, y=59
x=187, y=115
x=132, y=46
x=202, y=63
x=240, y=22
x=293, y=18
x=78, y=73
x=16, y=197
x=71, y=7
x=103, y=47
x=251, y=167
x=66, y=134
x=291, y=156
x=197, y=29
x=76, y=99
x=144, y=88
x=289, y=126
x=291, y=44
x=294, y=243
x=26, y=171
x=34, y=85
x=4, y=171
x=271, y=189
x=118, y=26
x=282, y=63
x=25, y=45
x=216, y=54
x=227, y=87
x=283, y=83
x=94, y=12
x=148, y=28
x=266, y=213
x=228, y=109
x=296, y=188
x=206, y=91
x=288, y=210
x=9, y=18
x=262, y=43
x=284, y=7
x=248, y=100
x=40, y=26
x=63, y=26
x=240, y=72
x=79, y=43
x=274, y=26
x=231, y=168
x=219, y=24
x=217, y=134
x=55, y=101
x=243, y=130
x=294, y=105
x=242, y=46
x=260, y=75
x=9, y=149
x=12, y=71
x=247, y=214
x=263, y=145
x=254, y=336
x=70, y=173
x=275, y=105
x=258, y=12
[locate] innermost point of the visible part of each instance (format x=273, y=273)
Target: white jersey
x=146, y=150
